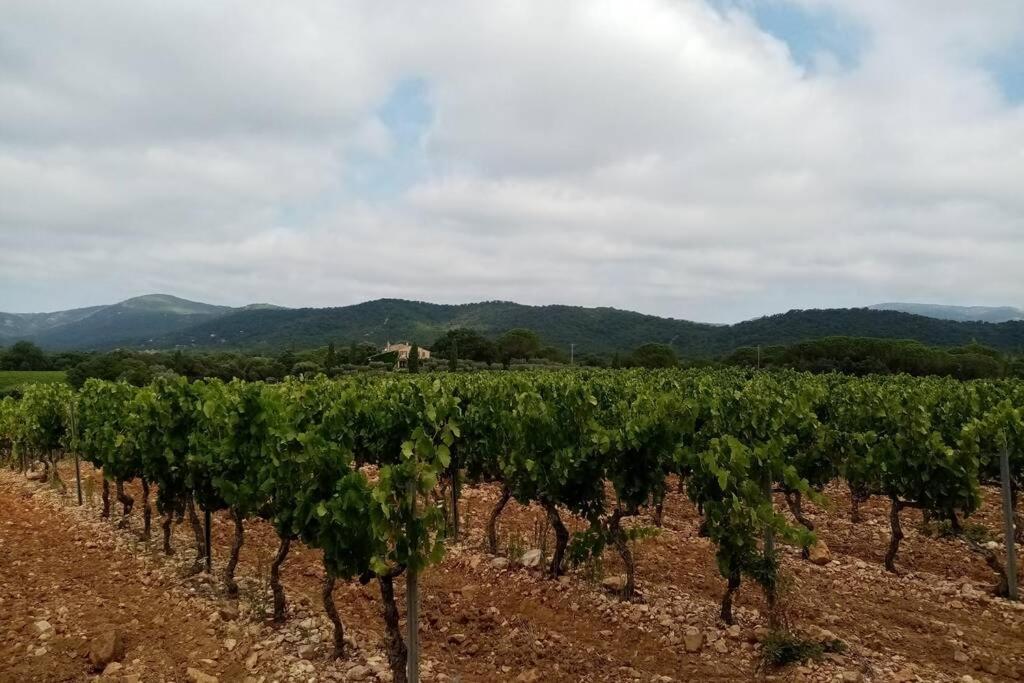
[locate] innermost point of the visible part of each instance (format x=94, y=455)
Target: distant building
x=402, y=350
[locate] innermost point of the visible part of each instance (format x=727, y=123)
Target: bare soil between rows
x=63, y=564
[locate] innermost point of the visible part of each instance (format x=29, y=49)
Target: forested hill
x=166, y=323
x=593, y=330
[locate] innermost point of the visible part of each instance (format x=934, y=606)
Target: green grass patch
x=12, y=379
x=783, y=647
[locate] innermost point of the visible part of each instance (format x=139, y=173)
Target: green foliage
x=24, y=356
x=351, y=465
x=518, y=343
x=864, y=356
x=654, y=356
x=465, y=343
x=781, y=648
x=413, y=363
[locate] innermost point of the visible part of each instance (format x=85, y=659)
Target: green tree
x=655, y=356
x=468, y=344
x=331, y=359
x=453, y=356
x=24, y=356
x=414, y=359
x=518, y=343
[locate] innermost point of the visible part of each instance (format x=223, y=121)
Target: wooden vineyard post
x=1011, y=550
x=74, y=446
x=455, y=497
x=412, y=597
x=209, y=554
x=78, y=477
x=769, y=552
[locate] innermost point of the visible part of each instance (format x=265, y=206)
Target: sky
x=712, y=160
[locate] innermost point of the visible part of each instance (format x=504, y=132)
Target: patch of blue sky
x=1007, y=68
x=815, y=36
x=407, y=114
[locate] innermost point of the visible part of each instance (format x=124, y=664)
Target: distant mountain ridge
x=166, y=322
x=130, y=323
x=987, y=314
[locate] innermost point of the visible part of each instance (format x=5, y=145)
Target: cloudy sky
x=704, y=159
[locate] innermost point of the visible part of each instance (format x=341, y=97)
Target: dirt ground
x=68, y=577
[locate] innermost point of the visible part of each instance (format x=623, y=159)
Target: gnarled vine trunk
x=995, y=564
x=732, y=586
x=167, y=523
x=618, y=536
x=106, y=498
x=127, y=502
x=897, y=533
x=230, y=587
x=492, y=520
x=275, y=579
x=147, y=511
x=794, y=500
x=561, y=540
x=857, y=497
x=197, y=532
x=659, y=508
x=332, y=614
x=398, y=655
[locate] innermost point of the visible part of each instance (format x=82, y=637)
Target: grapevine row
x=356, y=466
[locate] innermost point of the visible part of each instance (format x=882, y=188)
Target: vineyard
x=372, y=470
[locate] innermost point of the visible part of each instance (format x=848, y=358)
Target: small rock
x=720, y=647
x=819, y=553
x=499, y=563
x=230, y=644
x=850, y=676
x=990, y=666
x=197, y=676
x=693, y=639
x=112, y=669
x=106, y=649
x=228, y=613
x=905, y=676
x=42, y=628
x=358, y=673
x=529, y=676
x=615, y=584
x=531, y=558
x=961, y=657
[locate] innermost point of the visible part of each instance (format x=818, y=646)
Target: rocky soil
x=84, y=600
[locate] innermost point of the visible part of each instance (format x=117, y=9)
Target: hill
x=593, y=330
x=14, y=326
x=987, y=314
x=376, y=322
x=132, y=321
x=165, y=322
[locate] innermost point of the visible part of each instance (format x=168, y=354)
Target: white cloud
x=657, y=155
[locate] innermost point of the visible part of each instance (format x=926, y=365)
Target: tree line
x=465, y=349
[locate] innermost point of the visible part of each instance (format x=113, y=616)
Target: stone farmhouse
x=402, y=350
